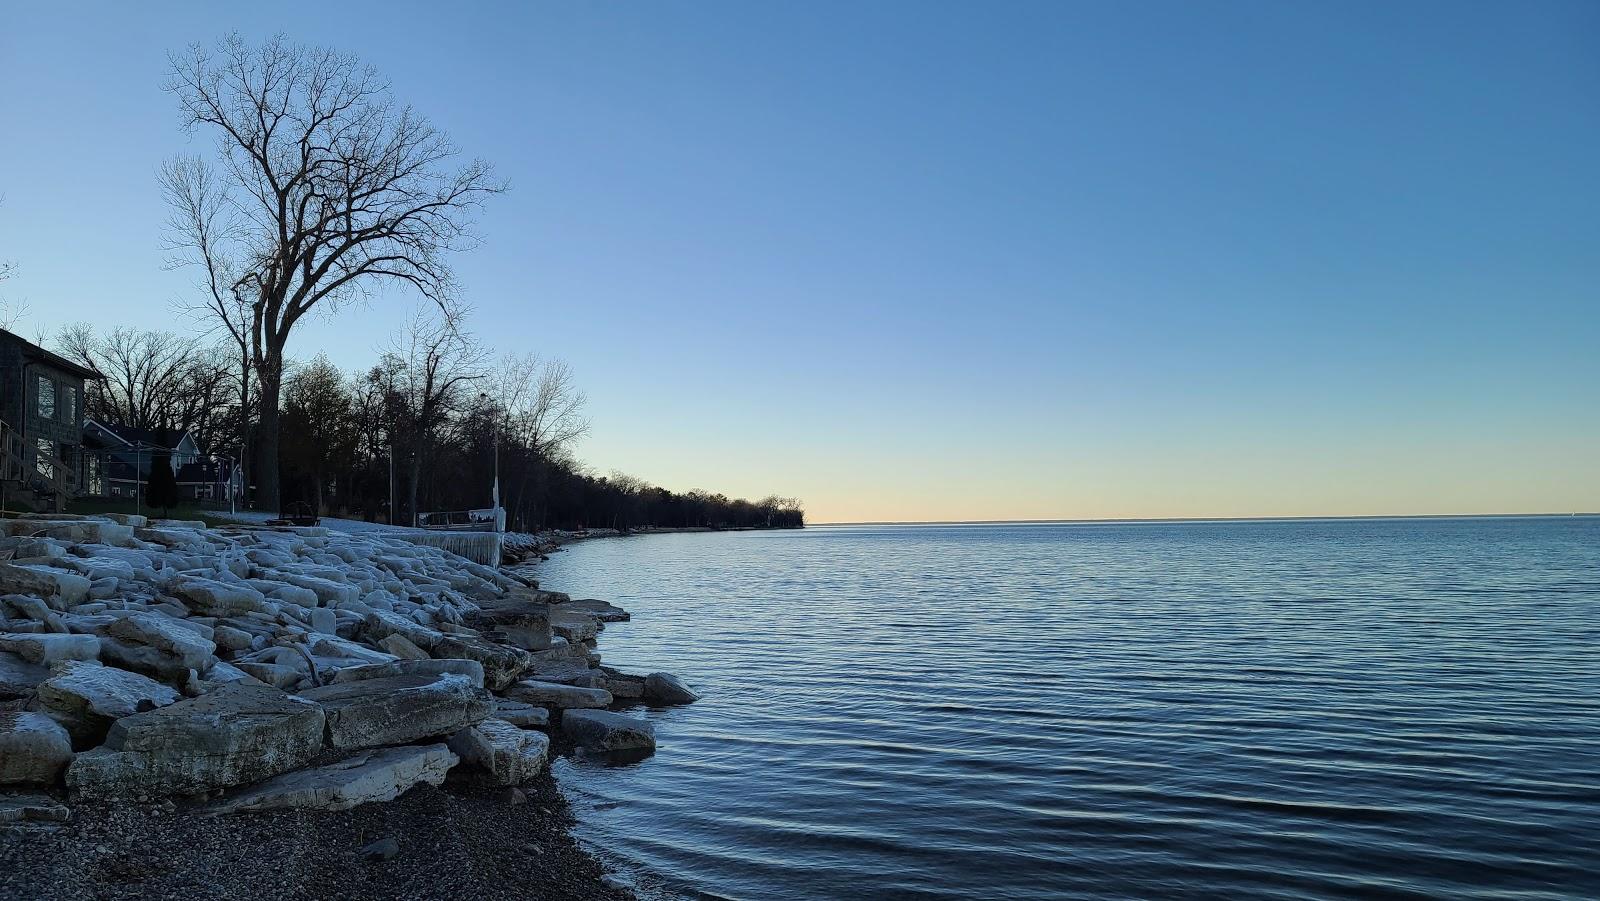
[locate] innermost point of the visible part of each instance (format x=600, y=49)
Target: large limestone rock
x=510, y=756
x=59, y=588
x=361, y=778
x=33, y=748
x=370, y=712
x=517, y=618
x=215, y=598
x=381, y=624
x=602, y=610
x=47, y=649
x=502, y=665
x=88, y=697
x=574, y=625
x=665, y=688
x=401, y=647
x=237, y=734
x=472, y=669
x=188, y=648
x=602, y=730
x=521, y=714
x=18, y=677
x=551, y=694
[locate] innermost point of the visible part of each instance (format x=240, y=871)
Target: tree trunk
x=270, y=378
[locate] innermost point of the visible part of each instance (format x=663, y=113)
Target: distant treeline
x=423, y=426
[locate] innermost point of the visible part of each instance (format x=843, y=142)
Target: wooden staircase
x=51, y=488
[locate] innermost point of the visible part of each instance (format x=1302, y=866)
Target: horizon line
x=1183, y=519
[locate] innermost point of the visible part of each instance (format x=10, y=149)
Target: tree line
x=321, y=191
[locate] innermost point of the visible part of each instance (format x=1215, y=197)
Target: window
x=45, y=461
x=69, y=403
x=97, y=483
x=46, y=405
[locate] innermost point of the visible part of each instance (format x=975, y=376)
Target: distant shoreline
x=1198, y=519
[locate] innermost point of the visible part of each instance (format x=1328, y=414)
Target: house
x=120, y=458
x=41, y=410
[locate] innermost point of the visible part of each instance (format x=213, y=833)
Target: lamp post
x=494, y=493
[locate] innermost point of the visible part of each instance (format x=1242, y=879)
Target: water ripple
x=1317, y=709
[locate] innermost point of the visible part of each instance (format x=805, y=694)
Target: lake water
x=1305, y=709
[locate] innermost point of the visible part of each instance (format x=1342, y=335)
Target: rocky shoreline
x=196, y=712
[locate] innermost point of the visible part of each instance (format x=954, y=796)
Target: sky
x=947, y=261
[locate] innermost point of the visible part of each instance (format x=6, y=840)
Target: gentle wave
x=1314, y=709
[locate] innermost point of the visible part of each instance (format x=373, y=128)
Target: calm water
x=1380, y=708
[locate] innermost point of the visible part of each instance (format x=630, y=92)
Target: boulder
x=46, y=649
x=88, y=697
x=393, y=710
x=574, y=625
x=190, y=649
x=509, y=755
x=502, y=665
x=216, y=598
x=472, y=669
x=602, y=730
x=33, y=748
x=237, y=734
x=379, y=775
x=665, y=688
x=401, y=647
x=59, y=588
x=520, y=714
x=516, y=618
x=605, y=612
x=381, y=624
x=552, y=694
x=18, y=677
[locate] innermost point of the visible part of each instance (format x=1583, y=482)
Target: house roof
x=34, y=352
x=162, y=438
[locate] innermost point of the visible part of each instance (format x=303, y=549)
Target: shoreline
x=491, y=824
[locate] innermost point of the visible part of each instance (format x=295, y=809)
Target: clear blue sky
x=951, y=261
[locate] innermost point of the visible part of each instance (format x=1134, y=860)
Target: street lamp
x=494, y=494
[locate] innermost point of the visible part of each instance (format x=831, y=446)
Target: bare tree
x=429, y=367
x=149, y=375
x=325, y=191
x=541, y=409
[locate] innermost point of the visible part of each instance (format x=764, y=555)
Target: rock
x=502, y=665
x=33, y=748
x=59, y=588
x=379, y=775
x=88, y=697
x=397, y=709
x=234, y=735
x=517, y=618
x=574, y=625
x=665, y=688
x=520, y=714
x=276, y=675
x=32, y=808
x=401, y=647
x=46, y=649
x=605, y=612
x=510, y=756
x=230, y=638
x=551, y=694
x=18, y=677
x=143, y=659
x=472, y=669
x=189, y=648
x=382, y=849
x=602, y=730
x=381, y=624
x=218, y=598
